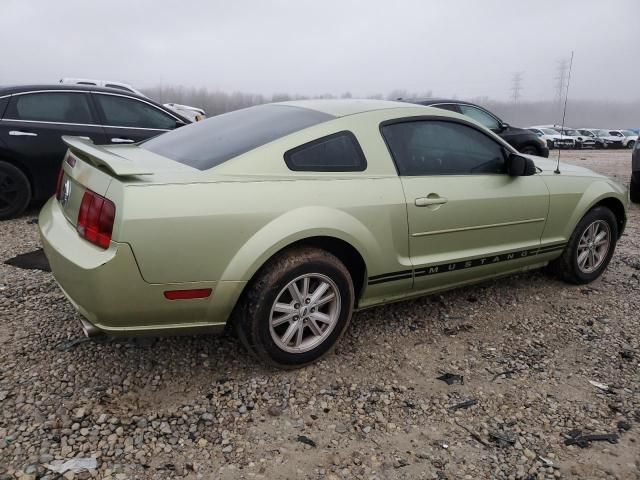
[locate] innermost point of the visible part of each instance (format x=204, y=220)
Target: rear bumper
x=106, y=287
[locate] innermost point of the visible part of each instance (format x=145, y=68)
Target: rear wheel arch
x=349, y=255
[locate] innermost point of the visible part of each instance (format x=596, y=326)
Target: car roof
x=437, y=101
x=344, y=107
x=12, y=89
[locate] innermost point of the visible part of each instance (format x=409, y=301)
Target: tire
x=530, y=150
x=631, y=144
x=15, y=191
x=273, y=335
x=569, y=266
x=634, y=190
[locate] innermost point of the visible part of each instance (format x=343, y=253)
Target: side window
x=615, y=134
x=128, y=112
x=64, y=107
x=339, y=152
x=480, y=116
x=434, y=147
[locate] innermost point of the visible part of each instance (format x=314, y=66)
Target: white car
x=553, y=138
x=102, y=83
x=192, y=113
x=629, y=138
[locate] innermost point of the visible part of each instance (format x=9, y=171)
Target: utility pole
x=516, y=86
x=561, y=79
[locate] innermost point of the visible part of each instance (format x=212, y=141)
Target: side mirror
x=503, y=126
x=519, y=166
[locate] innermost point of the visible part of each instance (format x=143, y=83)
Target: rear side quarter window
x=339, y=152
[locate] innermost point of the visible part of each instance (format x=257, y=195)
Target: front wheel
x=590, y=248
x=530, y=150
x=297, y=308
x=634, y=188
x=631, y=144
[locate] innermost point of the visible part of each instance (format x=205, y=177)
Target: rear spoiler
x=99, y=156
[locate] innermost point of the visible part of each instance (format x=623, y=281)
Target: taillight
x=95, y=219
x=59, y=183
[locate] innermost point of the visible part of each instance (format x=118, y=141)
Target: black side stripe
x=454, y=266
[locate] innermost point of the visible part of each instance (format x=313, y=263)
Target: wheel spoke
x=325, y=299
x=288, y=335
x=321, y=317
x=602, y=236
x=300, y=333
x=276, y=322
x=319, y=291
x=305, y=287
x=582, y=258
x=315, y=329
x=295, y=293
x=284, y=308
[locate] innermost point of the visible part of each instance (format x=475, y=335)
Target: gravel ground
x=199, y=407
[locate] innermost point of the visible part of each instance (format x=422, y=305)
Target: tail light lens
x=95, y=219
x=59, y=183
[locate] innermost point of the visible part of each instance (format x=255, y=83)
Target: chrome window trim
x=50, y=91
x=139, y=100
x=82, y=124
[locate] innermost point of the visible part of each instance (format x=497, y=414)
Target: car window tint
x=64, y=107
x=209, y=143
x=442, y=148
x=339, y=152
x=128, y=112
x=480, y=116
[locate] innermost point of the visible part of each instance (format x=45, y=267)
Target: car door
x=128, y=120
x=33, y=125
x=467, y=218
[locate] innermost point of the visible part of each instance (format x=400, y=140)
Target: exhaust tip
x=89, y=329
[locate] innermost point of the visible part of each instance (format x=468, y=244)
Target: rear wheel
x=590, y=247
x=15, y=191
x=297, y=308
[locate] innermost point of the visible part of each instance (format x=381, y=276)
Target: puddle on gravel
x=35, y=260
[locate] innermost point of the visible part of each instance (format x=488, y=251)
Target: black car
x=33, y=119
x=521, y=139
x=634, y=187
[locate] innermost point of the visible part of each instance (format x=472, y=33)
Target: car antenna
x=564, y=111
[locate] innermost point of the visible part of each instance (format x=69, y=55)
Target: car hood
x=548, y=166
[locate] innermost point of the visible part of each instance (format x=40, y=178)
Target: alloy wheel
x=593, y=246
x=305, y=313
x=8, y=191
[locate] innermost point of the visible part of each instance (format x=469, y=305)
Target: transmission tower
x=516, y=86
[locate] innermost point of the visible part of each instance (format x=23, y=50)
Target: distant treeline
x=580, y=113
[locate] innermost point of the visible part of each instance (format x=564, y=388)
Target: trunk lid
x=92, y=167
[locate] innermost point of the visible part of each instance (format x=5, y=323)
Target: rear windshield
x=209, y=143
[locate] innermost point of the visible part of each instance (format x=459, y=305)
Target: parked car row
x=558, y=136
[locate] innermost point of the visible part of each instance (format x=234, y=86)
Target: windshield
x=629, y=133
x=571, y=132
x=549, y=131
x=602, y=133
x=209, y=143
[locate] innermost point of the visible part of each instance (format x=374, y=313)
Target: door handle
x=121, y=140
x=19, y=133
x=430, y=200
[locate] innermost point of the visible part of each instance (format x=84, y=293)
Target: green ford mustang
x=280, y=220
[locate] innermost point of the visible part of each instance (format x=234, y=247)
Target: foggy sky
x=464, y=48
